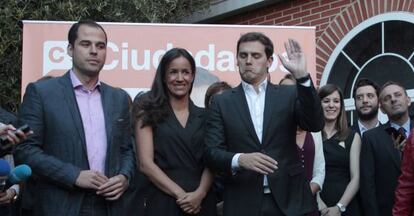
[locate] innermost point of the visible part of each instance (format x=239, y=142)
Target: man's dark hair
x=393, y=83
x=214, y=89
x=73, y=31
x=366, y=82
x=260, y=37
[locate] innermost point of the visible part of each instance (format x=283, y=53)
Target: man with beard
x=366, y=104
x=381, y=152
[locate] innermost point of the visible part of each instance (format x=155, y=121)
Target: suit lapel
x=243, y=109
x=270, y=104
x=395, y=155
x=69, y=97
x=107, y=107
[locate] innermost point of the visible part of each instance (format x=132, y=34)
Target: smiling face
x=252, y=62
x=179, y=77
x=366, y=102
x=331, y=106
x=394, y=102
x=88, y=52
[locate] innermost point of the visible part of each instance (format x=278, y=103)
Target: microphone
x=18, y=174
x=4, y=172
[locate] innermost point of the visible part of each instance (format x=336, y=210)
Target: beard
x=368, y=116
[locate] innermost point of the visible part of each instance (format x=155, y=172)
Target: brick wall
x=333, y=19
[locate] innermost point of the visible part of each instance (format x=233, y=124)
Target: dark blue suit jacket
x=56, y=151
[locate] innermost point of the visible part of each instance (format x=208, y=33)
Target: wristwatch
x=342, y=207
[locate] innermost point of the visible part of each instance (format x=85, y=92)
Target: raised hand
x=295, y=62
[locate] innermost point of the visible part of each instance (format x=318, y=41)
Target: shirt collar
x=76, y=83
x=249, y=87
x=406, y=126
x=362, y=128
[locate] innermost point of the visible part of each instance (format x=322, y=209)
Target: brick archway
x=347, y=19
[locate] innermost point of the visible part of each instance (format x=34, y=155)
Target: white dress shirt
x=318, y=172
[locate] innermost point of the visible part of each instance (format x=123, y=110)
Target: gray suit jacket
x=56, y=151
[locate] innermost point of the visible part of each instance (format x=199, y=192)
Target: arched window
x=381, y=49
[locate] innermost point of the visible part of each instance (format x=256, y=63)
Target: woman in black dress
x=341, y=147
x=169, y=133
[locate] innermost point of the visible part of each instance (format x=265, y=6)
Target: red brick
x=370, y=8
x=318, y=34
x=323, y=26
x=335, y=28
x=381, y=6
x=310, y=5
x=282, y=19
x=305, y=24
x=400, y=5
x=341, y=24
x=326, y=2
x=363, y=8
x=269, y=22
x=406, y=5
x=292, y=22
x=320, y=53
x=351, y=14
x=321, y=8
x=311, y=18
x=347, y=21
x=324, y=47
x=256, y=20
x=319, y=75
x=376, y=7
x=340, y=4
x=320, y=61
x=319, y=69
x=394, y=5
x=291, y=11
x=358, y=13
x=274, y=15
x=326, y=39
x=301, y=14
x=320, y=21
x=331, y=12
x=333, y=36
x=330, y=40
x=411, y=7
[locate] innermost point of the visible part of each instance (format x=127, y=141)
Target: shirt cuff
x=307, y=83
x=235, y=162
x=16, y=188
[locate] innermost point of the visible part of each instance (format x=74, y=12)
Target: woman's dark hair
x=153, y=106
x=214, y=89
x=341, y=124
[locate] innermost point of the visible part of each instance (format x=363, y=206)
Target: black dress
x=178, y=151
x=337, y=173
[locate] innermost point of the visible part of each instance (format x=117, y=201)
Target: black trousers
x=93, y=205
x=270, y=207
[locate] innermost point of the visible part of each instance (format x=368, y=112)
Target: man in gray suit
x=81, y=149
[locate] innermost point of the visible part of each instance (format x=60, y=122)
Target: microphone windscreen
x=4, y=168
x=19, y=174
